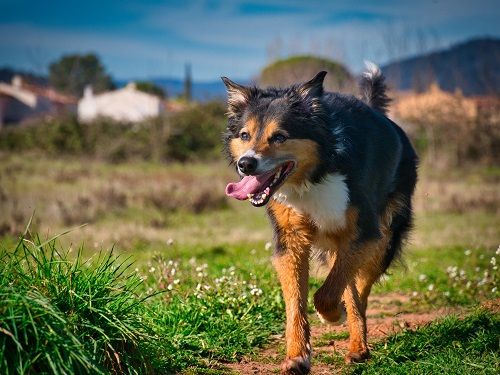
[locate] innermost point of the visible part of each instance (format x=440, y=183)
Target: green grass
x=210, y=309
x=450, y=346
x=62, y=314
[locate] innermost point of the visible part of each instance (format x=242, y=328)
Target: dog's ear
x=314, y=87
x=237, y=96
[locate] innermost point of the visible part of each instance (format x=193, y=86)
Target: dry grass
x=69, y=192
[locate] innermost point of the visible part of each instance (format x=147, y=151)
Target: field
x=168, y=276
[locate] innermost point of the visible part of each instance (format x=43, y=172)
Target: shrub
x=192, y=133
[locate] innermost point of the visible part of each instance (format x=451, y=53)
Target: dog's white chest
x=326, y=202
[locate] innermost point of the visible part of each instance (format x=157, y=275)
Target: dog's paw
x=334, y=317
x=357, y=357
x=296, y=366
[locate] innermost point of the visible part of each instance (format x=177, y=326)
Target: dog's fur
x=348, y=196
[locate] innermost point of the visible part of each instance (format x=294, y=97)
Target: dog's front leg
x=291, y=260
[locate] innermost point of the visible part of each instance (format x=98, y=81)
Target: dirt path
x=386, y=315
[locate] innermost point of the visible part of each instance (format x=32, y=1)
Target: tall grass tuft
x=69, y=316
x=61, y=314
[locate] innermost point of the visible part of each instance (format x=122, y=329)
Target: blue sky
x=141, y=39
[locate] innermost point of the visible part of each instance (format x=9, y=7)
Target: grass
x=453, y=345
x=63, y=314
x=219, y=298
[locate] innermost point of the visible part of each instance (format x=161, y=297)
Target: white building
x=126, y=104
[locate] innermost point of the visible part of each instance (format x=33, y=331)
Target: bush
x=450, y=129
x=193, y=133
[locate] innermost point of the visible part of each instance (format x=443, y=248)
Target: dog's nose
x=247, y=165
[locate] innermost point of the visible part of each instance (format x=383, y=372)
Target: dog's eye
x=244, y=136
x=278, y=138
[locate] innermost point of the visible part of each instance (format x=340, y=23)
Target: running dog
x=337, y=178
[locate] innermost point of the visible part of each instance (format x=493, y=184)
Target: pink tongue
x=248, y=185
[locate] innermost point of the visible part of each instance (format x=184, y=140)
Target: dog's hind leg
x=291, y=260
x=356, y=319
x=356, y=298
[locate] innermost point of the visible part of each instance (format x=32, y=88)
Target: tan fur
x=305, y=153
x=292, y=267
x=352, y=274
x=302, y=151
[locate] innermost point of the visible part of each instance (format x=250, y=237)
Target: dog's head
x=275, y=137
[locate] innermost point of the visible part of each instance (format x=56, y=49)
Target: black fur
x=374, y=90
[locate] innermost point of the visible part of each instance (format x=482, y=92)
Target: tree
x=151, y=88
x=188, y=83
x=302, y=68
x=71, y=73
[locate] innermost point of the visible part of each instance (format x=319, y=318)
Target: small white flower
x=170, y=241
x=253, y=251
x=414, y=294
x=176, y=281
x=430, y=287
x=152, y=269
x=493, y=261
x=467, y=252
x=170, y=287
x=498, y=250
x=269, y=245
x=494, y=289
x=468, y=285
x=447, y=293
x=422, y=277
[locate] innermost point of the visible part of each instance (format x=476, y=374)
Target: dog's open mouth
x=259, y=189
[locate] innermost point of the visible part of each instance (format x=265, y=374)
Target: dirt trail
x=386, y=315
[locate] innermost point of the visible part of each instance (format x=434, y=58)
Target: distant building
x=20, y=101
x=126, y=104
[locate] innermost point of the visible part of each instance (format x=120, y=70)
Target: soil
x=386, y=315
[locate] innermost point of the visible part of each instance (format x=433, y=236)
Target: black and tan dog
x=337, y=177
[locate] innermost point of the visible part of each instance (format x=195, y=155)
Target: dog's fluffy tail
x=373, y=88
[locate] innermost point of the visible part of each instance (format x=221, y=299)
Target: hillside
x=472, y=67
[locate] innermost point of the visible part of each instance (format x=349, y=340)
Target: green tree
x=71, y=73
x=151, y=88
x=295, y=69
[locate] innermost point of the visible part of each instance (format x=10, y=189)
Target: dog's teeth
x=263, y=196
x=267, y=190
x=249, y=196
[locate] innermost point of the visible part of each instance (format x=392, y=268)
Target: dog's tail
x=373, y=88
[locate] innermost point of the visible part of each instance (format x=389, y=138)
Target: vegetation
x=151, y=88
x=63, y=314
x=302, y=68
x=201, y=294
x=450, y=346
x=450, y=129
x=193, y=133
x=71, y=73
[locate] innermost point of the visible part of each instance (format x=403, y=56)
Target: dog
x=337, y=178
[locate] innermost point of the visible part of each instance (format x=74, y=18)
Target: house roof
x=27, y=93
